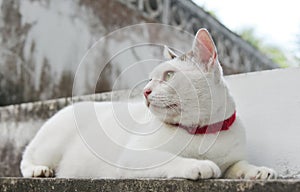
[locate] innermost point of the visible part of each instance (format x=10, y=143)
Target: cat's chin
x=164, y=112
x=172, y=106
x=165, y=109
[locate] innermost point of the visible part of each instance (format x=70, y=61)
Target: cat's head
x=184, y=89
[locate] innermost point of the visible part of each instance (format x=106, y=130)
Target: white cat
x=193, y=132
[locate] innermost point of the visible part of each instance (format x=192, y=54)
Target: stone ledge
x=45, y=109
x=162, y=185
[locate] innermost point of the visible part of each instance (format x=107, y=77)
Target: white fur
x=104, y=140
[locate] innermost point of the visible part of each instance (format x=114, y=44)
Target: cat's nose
x=147, y=92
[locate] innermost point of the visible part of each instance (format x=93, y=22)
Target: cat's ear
x=168, y=53
x=204, y=49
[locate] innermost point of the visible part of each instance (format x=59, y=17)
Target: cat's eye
x=168, y=75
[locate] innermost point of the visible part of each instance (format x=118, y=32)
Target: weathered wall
x=268, y=104
x=42, y=43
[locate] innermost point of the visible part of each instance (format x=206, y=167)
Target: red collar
x=207, y=129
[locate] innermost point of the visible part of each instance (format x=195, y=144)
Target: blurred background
x=42, y=42
x=273, y=28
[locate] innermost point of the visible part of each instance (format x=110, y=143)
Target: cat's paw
x=197, y=169
x=263, y=173
x=38, y=171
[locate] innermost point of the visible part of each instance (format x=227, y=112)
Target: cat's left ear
x=204, y=49
x=168, y=53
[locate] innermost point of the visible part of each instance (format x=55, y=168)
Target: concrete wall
x=42, y=43
x=268, y=103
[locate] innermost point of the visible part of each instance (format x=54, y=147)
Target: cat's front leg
x=193, y=169
x=244, y=170
x=178, y=167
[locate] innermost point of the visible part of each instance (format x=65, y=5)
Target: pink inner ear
x=204, y=46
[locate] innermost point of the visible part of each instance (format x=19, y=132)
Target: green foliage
x=273, y=52
x=213, y=14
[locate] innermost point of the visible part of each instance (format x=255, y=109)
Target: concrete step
x=159, y=185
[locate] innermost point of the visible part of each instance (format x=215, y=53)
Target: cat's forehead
x=165, y=66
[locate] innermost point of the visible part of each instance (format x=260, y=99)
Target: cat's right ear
x=168, y=53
